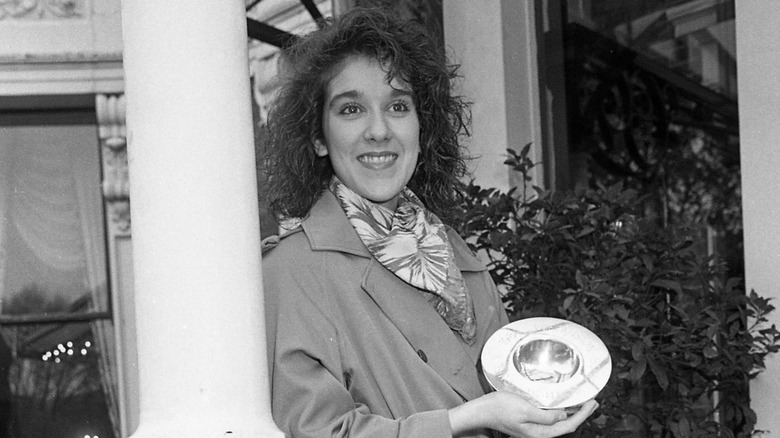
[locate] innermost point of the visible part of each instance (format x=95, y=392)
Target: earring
x=320, y=148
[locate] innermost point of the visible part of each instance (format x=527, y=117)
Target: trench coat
x=356, y=352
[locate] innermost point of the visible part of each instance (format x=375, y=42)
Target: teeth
x=376, y=159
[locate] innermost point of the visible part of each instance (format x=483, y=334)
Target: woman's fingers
x=543, y=416
x=585, y=411
x=571, y=423
x=518, y=408
x=558, y=428
x=514, y=415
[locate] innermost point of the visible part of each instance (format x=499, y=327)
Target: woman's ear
x=320, y=149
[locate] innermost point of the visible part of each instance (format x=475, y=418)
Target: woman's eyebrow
x=400, y=92
x=355, y=94
x=350, y=94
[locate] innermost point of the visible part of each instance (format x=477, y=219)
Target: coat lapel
x=328, y=229
x=423, y=328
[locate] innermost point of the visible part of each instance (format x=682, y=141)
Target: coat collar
x=328, y=229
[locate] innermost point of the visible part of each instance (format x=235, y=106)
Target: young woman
x=377, y=312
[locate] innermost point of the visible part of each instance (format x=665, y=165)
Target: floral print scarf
x=413, y=244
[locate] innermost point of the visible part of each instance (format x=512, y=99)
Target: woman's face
x=371, y=131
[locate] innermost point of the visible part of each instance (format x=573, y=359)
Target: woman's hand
x=514, y=415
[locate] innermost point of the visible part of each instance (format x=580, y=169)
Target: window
x=55, y=313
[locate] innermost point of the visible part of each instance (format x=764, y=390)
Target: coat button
x=422, y=356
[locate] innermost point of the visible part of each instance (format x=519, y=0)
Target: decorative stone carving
x=42, y=9
x=112, y=131
x=265, y=83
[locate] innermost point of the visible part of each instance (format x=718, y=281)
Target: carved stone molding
x=42, y=9
x=265, y=83
x=112, y=131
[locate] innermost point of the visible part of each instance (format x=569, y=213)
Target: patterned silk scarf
x=413, y=244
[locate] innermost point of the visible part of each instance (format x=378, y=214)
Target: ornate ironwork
x=654, y=129
x=271, y=35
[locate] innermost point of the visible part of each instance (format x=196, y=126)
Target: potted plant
x=684, y=339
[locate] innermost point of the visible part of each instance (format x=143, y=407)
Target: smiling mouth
x=378, y=160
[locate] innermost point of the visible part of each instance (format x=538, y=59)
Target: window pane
x=52, y=240
x=52, y=382
x=693, y=38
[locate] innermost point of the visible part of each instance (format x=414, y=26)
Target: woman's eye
x=349, y=109
x=399, y=107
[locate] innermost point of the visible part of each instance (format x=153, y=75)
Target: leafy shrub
x=684, y=339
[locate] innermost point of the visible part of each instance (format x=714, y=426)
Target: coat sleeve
x=310, y=396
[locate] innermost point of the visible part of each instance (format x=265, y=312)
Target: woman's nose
x=377, y=129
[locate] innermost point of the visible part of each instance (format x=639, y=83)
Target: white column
x=494, y=41
x=758, y=60
x=196, y=242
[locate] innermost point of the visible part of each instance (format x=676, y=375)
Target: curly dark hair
x=296, y=176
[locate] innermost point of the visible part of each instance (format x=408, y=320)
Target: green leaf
x=659, y=373
x=710, y=352
x=579, y=278
x=637, y=369
x=585, y=231
x=567, y=302
x=684, y=428
x=638, y=350
x=647, y=261
x=675, y=428
x=667, y=284
x=644, y=322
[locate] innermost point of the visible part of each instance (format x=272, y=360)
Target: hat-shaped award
x=553, y=363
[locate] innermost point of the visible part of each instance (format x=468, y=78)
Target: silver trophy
x=554, y=363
